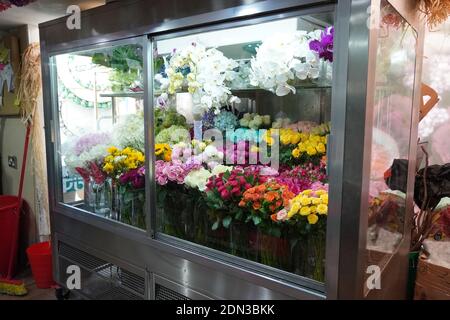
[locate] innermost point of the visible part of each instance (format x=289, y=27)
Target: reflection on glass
x=101, y=131
x=391, y=134
x=241, y=124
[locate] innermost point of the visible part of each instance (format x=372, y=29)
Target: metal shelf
x=137, y=95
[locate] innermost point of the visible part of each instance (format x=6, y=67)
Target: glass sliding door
x=395, y=68
x=241, y=125
x=100, y=131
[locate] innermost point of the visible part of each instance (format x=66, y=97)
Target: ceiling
x=41, y=11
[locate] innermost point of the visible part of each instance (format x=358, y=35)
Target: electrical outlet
x=12, y=162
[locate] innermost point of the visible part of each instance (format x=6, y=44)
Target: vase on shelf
x=95, y=197
x=243, y=240
x=87, y=195
x=131, y=206
x=308, y=256
x=273, y=251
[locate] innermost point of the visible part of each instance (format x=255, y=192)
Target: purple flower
x=302, y=178
x=324, y=46
x=21, y=3
x=88, y=141
x=208, y=120
x=135, y=177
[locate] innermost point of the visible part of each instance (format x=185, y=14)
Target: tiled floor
x=33, y=292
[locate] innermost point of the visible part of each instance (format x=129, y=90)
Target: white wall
x=12, y=140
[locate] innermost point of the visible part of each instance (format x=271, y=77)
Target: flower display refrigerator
x=233, y=149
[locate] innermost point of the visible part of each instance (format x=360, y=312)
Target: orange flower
x=168, y=156
x=256, y=205
x=261, y=188
x=248, y=196
x=274, y=186
x=274, y=217
x=272, y=207
x=242, y=203
x=271, y=196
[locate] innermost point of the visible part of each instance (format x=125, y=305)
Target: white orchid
x=208, y=74
x=281, y=59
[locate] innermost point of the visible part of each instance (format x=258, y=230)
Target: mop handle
x=24, y=162
x=22, y=177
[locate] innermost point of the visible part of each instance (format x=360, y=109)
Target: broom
x=8, y=285
x=27, y=97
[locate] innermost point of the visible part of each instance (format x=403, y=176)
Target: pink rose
x=282, y=215
x=225, y=194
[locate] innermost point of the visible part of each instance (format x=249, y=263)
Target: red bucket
x=40, y=257
x=9, y=223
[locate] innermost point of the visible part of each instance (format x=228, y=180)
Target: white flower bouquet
x=282, y=59
x=205, y=73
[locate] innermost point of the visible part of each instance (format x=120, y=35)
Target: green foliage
x=126, y=62
x=164, y=119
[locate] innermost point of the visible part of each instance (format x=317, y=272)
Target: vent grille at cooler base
x=100, y=279
x=163, y=293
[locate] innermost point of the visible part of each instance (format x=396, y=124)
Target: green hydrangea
x=173, y=135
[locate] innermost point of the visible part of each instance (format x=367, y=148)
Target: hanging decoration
x=6, y=72
x=436, y=11
x=6, y=4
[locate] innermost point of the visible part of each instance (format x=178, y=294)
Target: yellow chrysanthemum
x=322, y=209
x=295, y=138
x=305, y=201
x=127, y=151
x=316, y=201
x=302, y=147
x=109, y=158
x=112, y=150
x=320, y=193
x=295, y=207
x=324, y=198
x=305, y=211
x=108, y=168
x=313, y=219
x=321, y=148
x=140, y=157
x=311, y=151
x=296, y=153
x=285, y=139
x=291, y=214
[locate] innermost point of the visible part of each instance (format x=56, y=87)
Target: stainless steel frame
x=182, y=266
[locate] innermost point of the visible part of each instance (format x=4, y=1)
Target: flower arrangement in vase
x=262, y=201
x=125, y=168
x=224, y=192
x=84, y=156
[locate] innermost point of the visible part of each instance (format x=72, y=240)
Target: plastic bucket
x=9, y=224
x=40, y=257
